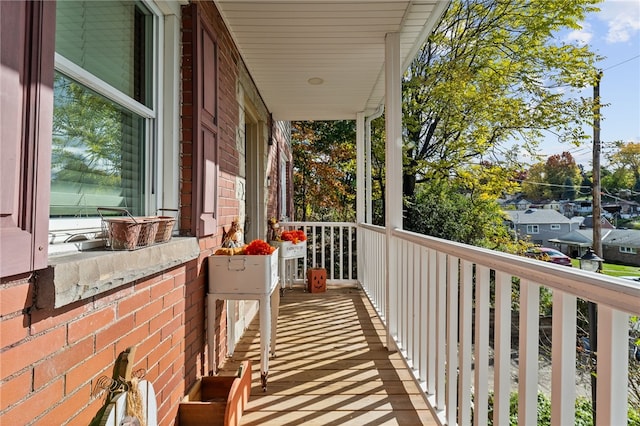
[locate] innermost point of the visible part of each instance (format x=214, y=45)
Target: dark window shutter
x=205, y=166
x=27, y=35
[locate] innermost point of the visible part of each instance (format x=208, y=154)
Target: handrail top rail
x=614, y=292
x=300, y=223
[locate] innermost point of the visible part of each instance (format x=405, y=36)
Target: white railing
x=330, y=245
x=437, y=312
x=444, y=299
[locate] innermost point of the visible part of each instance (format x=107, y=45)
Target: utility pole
x=597, y=237
x=597, y=210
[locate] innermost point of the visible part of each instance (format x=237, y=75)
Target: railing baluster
x=612, y=367
x=340, y=252
x=502, y=353
x=452, y=341
x=563, y=359
x=384, y=266
x=394, y=284
x=441, y=327
x=431, y=324
x=418, y=315
x=314, y=252
x=423, y=301
x=465, y=348
x=481, y=346
x=413, y=314
x=402, y=261
x=528, y=353
x=352, y=241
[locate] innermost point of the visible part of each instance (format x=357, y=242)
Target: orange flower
x=259, y=247
x=295, y=236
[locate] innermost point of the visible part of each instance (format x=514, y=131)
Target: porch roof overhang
x=324, y=59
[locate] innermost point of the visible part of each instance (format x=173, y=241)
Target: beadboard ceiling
x=287, y=44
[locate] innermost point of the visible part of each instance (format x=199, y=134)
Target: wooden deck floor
x=331, y=367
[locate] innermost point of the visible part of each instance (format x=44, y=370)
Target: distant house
x=583, y=207
x=553, y=205
x=622, y=246
x=574, y=243
x=604, y=223
x=515, y=204
x=539, y=226
x=618, y=245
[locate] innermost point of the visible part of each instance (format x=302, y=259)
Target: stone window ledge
x=78, y=276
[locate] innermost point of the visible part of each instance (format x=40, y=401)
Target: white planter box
x=288, y=250
x=243, y=274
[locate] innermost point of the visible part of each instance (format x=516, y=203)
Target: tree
x=535, y=187
x=586, y=184
x=324, y=170
x=560, y=169
x=627, y=157
x=615, y=181
x=625, y=163
x=569, y=189
x=492, y=71
x=455, y=212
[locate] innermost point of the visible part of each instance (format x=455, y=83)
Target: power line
x=623, y=62
x=556, y=185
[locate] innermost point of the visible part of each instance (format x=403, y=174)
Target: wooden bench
x=217, y=400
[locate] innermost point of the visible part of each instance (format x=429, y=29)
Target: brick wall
x=53, y=358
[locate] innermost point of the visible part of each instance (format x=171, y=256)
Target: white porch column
x=361, y=184
x=367, y=161
x=393, y=159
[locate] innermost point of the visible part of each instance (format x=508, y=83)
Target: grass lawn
x=613, y=269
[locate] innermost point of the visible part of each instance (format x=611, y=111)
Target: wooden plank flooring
x=331, y=366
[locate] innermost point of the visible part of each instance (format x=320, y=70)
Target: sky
x=613, y=33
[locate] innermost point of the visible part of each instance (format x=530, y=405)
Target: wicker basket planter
x=129, y=233
x=148, y=231
x=165, y=228
x=123, y=233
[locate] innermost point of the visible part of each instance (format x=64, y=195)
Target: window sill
x=79, y=276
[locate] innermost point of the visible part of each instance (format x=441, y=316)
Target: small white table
x=246, y=278
x=290, y=253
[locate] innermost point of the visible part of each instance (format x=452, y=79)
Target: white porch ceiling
x=286, y=43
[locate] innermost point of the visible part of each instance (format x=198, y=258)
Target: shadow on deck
x=331, y=366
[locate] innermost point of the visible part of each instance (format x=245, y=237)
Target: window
x=628, y=250
x=533, y=229
x=105, y=140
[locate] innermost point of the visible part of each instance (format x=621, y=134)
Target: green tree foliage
x=454, y=213
x=492, y=71
x=627, y=157
x=616, y=179
x=624, y=163
x=560, y=169
x=569, y=189
x=324, y=170
x=554, y=179
x=586, y=185
x=87, y=135
x=534, y=186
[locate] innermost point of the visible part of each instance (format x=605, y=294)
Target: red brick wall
x=228, y=159
x=51, y=359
